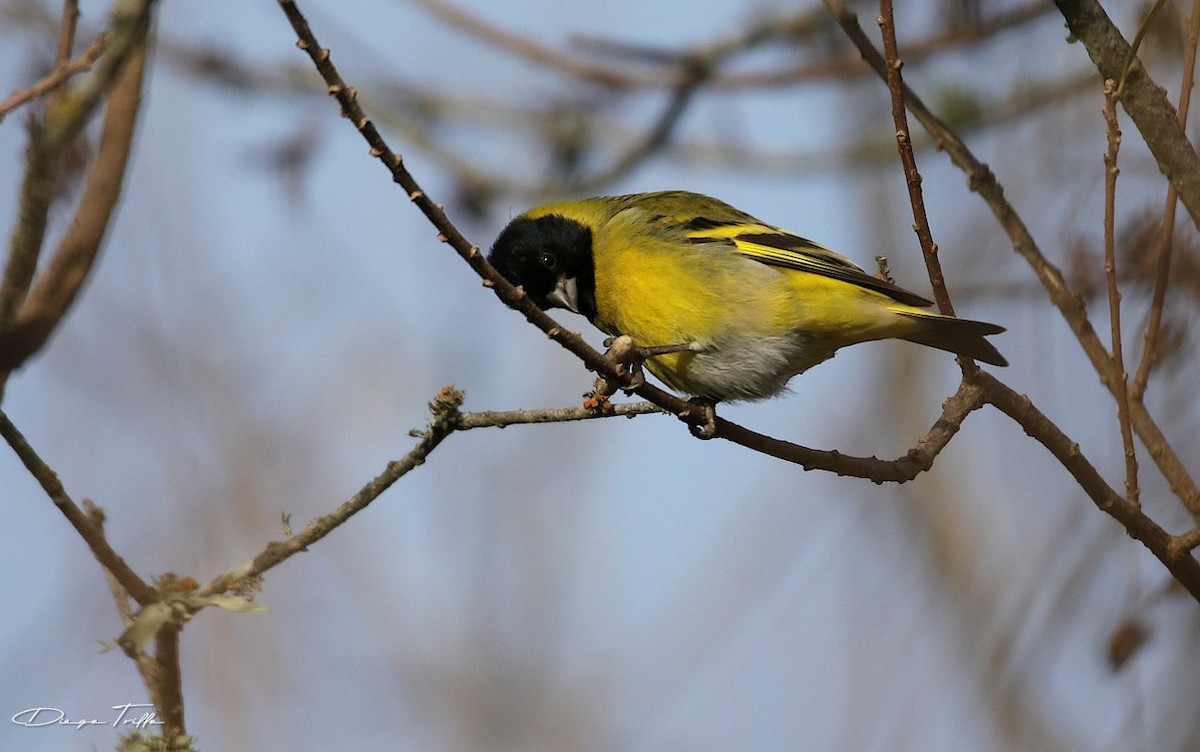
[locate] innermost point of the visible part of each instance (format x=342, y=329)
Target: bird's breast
x=741, y=314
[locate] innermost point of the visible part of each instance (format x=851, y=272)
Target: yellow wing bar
x=775, y=247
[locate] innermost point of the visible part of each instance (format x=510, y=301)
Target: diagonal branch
x=1145, y=101
x=57, y=77
x=915, y=461
x=92, y=534
x=1070, y=304
x=445, y=420
x=64, y=119
x=443, y=423
x=67, y=270
x=1170, y=550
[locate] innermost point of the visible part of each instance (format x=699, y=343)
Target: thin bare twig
x=1138, y=37
x=915, y=461
x=912, y=176
x=93, y=536
x=66, y=31
x=161, y=672
x=1166, y=241
x=502, y=419
x=446, y=419
x=443, y=423
x=657, y=137
x=1184, y=568
x=1121, y=378
x=127, y=27
x=57, y=77
x=96, y=516
x=1186, y=542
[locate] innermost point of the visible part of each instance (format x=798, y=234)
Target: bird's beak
x=565, y=294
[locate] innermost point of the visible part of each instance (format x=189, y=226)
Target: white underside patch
x=750, y=369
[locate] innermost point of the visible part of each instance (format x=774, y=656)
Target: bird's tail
x=960, y=336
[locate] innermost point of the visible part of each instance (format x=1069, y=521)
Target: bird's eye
x=548, y=260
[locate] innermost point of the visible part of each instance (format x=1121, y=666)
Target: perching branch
x=505, y=418
x=447, y=419
x=976, y=389
x=515, y=298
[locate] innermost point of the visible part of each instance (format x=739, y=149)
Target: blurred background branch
x=27, y=318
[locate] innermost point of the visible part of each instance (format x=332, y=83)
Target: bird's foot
x=624, y=351
x=707, y=429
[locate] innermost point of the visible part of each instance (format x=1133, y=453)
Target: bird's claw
x=707, y=429
x=622, y=350
x=636, y=379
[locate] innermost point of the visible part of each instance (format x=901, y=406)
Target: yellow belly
x=757, y=325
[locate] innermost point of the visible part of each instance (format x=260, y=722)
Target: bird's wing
x=695, y=218
x=776, y=247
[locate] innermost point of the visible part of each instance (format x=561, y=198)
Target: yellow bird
x=725, y=306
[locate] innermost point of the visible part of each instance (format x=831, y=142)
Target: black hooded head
x=539, y=254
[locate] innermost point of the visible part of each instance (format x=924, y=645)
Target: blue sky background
x=245, y=350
